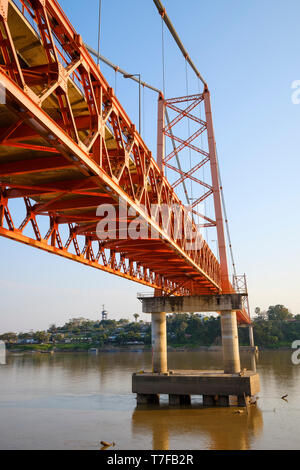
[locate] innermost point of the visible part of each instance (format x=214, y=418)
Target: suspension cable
x=203, y=168
x=162, y=11
x=99, y=32
x=116, y=80
x=226, y=218
x=163, y=56
x=144, y=134
x=119, y=70
x=189, y=127
x=166, y=20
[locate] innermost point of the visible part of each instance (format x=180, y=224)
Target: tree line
x=275, y=327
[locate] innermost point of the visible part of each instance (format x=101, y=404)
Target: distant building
x=27, y=341
x=104, y=314
x=112, y=339
x=201, y=316
x=78, y=321
x=131, y=343
x=93, y=351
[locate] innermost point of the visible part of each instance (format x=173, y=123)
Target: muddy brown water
x=74, y=401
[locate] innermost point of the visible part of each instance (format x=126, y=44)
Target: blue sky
x=248, y=51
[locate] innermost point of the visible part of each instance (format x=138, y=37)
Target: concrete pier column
x=243, y=400
x=177, y=400
x=209, y=400
x=159, y=343
x=230, y=341
x=223, y=400
x=253, y=353
x=147, y=399
x=251, y=336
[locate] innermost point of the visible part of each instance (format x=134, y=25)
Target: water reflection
x=198, y=428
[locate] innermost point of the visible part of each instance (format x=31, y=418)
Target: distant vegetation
x=80, y=334
x=273, y=328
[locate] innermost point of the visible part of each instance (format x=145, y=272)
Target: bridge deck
x=67, y=146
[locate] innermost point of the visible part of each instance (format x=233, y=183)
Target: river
x=73, y=401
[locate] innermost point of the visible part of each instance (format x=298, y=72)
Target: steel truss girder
x=127, y=172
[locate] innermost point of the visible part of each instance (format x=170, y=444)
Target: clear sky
x=248, y=51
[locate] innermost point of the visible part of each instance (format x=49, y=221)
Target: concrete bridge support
x=251, y=342
x=230, y=341
x=147, y=399
x=251, y=336
x=219, y=387
x=159, y=343
x=177, y=400
x=209, y=400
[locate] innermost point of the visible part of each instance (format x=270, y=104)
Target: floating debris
x=106, y=445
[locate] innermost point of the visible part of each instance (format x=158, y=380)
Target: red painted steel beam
x=19, y=237
x=128, y=173
x=34, y=165
x=78, y=203
x=83, y=186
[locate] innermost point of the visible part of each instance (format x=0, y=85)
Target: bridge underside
x=67, y=147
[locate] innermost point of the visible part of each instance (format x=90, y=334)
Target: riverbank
x=49, y=349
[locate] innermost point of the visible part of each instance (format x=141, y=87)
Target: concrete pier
x=230, y=341
x=224, y=387
x=216, y=387
x=159, y=343
x=226, y=304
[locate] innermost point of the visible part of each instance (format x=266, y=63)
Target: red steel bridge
x=67, y=146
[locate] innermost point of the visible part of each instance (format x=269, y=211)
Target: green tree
x=59, y=338
x=41, y=336
x=183, y=326
x=279, y=313
x=53, y=328
x=9, y=337
x=25, y=335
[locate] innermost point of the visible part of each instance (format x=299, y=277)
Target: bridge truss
x=67, y=146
